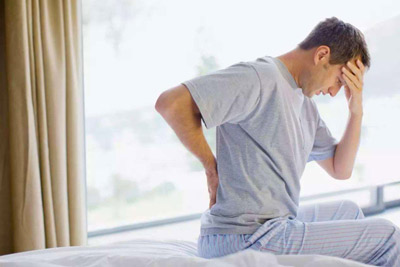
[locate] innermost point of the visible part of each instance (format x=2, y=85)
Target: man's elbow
x=342, y=176
x=163, y=103
x=160, y=103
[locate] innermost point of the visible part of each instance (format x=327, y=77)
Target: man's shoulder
x=264, y=64
x=266, y=70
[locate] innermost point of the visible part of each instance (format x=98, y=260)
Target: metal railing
x=376, y=194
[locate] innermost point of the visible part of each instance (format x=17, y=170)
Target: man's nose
x=333, y=91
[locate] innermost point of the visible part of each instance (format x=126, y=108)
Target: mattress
x=157, y=253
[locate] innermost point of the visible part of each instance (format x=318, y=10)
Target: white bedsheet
x=160, y=253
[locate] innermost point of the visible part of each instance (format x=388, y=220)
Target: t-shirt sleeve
x=324, y=143
x=226, y=96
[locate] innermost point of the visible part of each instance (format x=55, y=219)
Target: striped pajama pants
x=335, y=228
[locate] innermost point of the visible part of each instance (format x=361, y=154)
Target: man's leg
x=218, y=245
x=373, y=241
x=329, y=211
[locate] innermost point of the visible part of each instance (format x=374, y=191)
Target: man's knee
x=354, y=208
x=391, y=229
x=350, y=204
x=389, y=247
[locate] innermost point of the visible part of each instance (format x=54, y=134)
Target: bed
x=168, y=252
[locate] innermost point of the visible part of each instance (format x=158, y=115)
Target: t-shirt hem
x=326, y=155
x=211, y=231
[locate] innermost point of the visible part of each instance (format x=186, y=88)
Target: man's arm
x=341, y=165
x=178, y=108
x=180, y=111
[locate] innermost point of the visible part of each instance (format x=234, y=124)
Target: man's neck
x=293, y=62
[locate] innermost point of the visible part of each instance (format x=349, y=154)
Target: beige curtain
x=42, y=165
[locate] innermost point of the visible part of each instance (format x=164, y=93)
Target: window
x=137, y=169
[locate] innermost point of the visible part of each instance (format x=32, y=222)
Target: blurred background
x=138, y=172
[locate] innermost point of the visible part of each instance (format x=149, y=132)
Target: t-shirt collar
x=285, y=72
x=297, y=92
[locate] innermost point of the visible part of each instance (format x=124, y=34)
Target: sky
x=162, y=45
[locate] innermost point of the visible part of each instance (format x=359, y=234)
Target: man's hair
x=344, y=40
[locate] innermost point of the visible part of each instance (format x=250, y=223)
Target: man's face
x=326, y=79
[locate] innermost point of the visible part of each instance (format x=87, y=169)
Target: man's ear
x=322, y=54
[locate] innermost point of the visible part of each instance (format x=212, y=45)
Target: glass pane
x=391, y=192
x=362, y=198
x=137, y=169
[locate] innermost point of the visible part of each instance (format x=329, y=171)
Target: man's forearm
x=188, y=128
x=346, y=150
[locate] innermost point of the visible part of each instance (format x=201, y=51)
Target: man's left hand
x=354, y=85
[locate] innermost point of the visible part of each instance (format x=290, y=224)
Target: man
x=268, y=128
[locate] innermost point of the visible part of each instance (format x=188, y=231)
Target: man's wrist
x=356, y=114
x=210, y=166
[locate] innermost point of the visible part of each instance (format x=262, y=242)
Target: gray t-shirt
x=267, y=131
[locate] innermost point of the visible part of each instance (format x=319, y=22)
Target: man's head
x=329, y=46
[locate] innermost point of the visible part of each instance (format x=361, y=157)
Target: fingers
x=212, y=202
x=213, y=197
x=212, y=182
x=349, y=83
x=358, y=72
x=350, y=77
x=360, y=66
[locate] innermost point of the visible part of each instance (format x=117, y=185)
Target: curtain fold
x=43, y=65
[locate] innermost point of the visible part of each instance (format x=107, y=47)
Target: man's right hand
x=212, y=183
x=181, y=112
